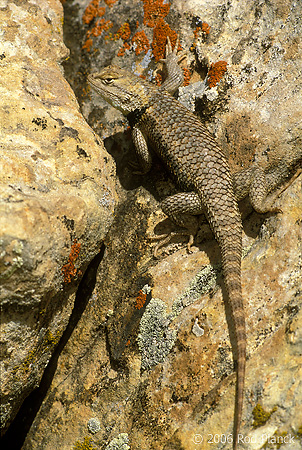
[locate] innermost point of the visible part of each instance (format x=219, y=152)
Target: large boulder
x=57, y=195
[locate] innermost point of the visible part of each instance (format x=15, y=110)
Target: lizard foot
x=135, y=168
x=267, y=206
x=173, y=53
x=166, y=238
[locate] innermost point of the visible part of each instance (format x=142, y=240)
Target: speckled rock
x=178, y=391
x=186, y=395
x=57, y=195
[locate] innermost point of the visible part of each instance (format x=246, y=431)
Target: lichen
x=119, y=443
x=14, y=263
x=160, y=33
x=216, y=72
x=203, y=282
x=205, y=28
x=123, y=32
x=277, y=440
x=69, y=270
x=154, y=10
x=110, y=2
x=92, y=11
x=85, y=445
x=48, y=342
x=93, y=425
x=140, y=43
x=140, y=300
x=261, y=416
x=187, y=77
x=155, y=339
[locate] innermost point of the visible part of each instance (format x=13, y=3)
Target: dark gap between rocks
x=16, y=433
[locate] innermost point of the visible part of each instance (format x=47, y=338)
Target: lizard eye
x=108, y=80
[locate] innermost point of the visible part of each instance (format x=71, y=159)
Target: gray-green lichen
x=119, y=443
x=204, y=281
x=93, y=425
x=15, y=263
x=197, y=330
x=155, y=339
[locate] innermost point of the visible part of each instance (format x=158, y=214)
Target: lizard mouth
x=91, y=79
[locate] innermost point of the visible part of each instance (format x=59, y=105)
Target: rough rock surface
x=189, y=395
x=167, y=381
x=57, y=195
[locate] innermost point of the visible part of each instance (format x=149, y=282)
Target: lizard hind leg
x=182, y=209
x=258, y=193
x=271, y=198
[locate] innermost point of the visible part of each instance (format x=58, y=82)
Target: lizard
x=200, y=168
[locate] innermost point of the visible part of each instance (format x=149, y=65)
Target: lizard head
x=122, y=89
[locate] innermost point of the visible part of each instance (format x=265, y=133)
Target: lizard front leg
x=142, y=151
x=175, y=76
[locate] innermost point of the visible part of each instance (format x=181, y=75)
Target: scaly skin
x=196, y=162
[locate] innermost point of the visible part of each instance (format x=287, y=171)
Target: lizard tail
x=231, y=262
x=224, y=217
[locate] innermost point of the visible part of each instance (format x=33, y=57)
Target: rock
x=189, y=395
x=178, y=392
x=57, y=195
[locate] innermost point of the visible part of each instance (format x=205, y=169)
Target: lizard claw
x=173, y=53
x=168, y=46
x=166, y=238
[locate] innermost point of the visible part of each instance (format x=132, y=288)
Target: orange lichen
x=87, y=45
x=140, y=42
x=187, y=76
x=216, y=72
x=196, y=32
x=154, y=10
x=140, y=300
x=158, y=79
x=122, y=50
x=69, y=270
x=100, y=26
x=92, y=11
x=160, y=33
x=123, y=32
x=110, y=2
x=205, y=28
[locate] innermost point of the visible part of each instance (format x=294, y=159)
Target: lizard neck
x=135, y=116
